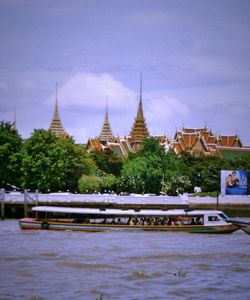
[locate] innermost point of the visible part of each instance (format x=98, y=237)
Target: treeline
x=52, y=164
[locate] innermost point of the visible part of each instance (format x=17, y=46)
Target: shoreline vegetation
x=51, y=164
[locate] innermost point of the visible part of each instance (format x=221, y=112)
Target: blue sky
x=194, y=56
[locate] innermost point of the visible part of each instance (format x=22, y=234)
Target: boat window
x=223, y=216
x=213, y=218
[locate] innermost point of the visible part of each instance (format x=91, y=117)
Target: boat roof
x=122, y=212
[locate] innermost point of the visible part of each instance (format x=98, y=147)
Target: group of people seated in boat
x=148, y=221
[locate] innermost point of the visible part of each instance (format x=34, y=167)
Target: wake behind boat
x=92, y=219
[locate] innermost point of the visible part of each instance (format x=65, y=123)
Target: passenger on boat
x=156, y=221
x=132, y=222
x=199, y=221
x=171, y=221
x=193, y=222
x=164, y=221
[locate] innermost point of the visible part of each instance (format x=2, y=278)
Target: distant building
x=139, y=130
x=56, y=124
x=106, y=134
x=196, y=141
x=121, y=146
x=202, y=142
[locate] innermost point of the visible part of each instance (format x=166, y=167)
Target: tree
x=152, y=146
x=52, y=164
x=241, y=163
x=10, y=146
x=108, y=182
x=89, y=184
x=174, y=184
x=108, y=162
x=143, y=172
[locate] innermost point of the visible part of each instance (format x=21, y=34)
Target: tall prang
x=139, y=130
x=56, y=125
x=106, y=134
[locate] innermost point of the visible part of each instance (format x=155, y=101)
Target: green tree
x=108, y=182
x=108, y=162
x=174, y=184
x=52, y=164
x=10, y=146
x=89, y=184
x=143, y=172
x=241, y=163
x=151, y=146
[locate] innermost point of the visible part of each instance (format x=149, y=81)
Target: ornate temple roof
x=106, y=134
x=139, y=130
x=202, y=141
x=229, y=141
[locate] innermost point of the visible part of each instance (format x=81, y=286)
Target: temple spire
x=106, y=134
x=14, y=122
x=56, y=125
x=139, y=130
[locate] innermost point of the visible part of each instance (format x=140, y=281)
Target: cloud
x=93, y=91
x=163, y=106
x=162, y=111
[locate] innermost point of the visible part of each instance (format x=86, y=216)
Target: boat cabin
x=129, y=216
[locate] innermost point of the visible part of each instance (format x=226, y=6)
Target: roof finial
x=106, y=113
x=141, y=87
x=56, y=93
x=14, y=122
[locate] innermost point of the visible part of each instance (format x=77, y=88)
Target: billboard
x=235, y=182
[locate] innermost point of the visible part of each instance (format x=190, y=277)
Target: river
x=122, y=265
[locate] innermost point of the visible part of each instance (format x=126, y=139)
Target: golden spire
x=56, y=125
x=139, y=130
x=106, y=134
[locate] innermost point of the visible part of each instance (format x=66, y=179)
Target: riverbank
x=17, y=205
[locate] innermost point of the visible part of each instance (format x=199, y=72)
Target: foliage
x=175, y=185
x=10, y=145
x=242, y=163
x=52, y=164
x=143, y=172
x=108, y=183
x=151, y=146
x=108, y=162
x=89, y=184
x=206, y=194
x=48, y=163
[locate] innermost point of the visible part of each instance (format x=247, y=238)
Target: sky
x=194, y=56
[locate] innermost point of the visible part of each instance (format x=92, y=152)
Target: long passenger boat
x=94, y=220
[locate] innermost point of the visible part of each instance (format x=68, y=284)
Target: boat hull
x=32, y=224
x=245, y=226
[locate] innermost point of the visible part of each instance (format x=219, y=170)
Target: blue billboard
x=235, y=182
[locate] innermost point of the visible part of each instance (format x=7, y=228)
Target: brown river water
x=122, y=265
